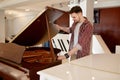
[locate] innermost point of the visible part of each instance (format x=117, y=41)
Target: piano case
x=40, y=30
x=10, y=58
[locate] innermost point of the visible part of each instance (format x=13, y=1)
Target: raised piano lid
x=36, y=31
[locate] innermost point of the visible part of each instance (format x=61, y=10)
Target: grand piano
x=32, y=57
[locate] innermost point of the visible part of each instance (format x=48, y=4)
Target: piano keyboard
x=61, y=41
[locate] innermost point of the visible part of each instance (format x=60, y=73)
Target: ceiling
x=39, y=5
x=36, y=4
x=15, y=8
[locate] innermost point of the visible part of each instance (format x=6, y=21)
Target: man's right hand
x=61, y=57
x=58, y=27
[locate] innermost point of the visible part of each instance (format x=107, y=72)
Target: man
x=81, y=34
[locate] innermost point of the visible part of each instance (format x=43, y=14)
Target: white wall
x=2, y=26
x=9, y=26
x=117, y=49
x=21, y=22
x=107, y=3
x=16, y=24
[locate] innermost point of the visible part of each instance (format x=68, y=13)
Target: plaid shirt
x=84, y=38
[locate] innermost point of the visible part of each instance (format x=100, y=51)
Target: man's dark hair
x=75, y=9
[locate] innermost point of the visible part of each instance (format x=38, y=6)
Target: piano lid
x=36, y=31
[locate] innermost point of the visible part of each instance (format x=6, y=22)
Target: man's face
x=75, y=17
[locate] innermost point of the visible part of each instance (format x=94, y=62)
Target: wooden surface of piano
x=39, y=30
x=10, y=59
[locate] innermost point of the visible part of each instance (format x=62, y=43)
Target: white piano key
x=61, y=41
x=63, y=45
x=56, y=44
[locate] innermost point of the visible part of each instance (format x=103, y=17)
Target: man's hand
x=58, y=27
x=61, y=57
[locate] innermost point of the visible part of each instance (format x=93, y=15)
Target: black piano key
x=68, y=42
x=60, y=44
x=63, y=45
x=54, y=43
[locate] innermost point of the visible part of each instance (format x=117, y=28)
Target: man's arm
x=70, y=53
x=65, y=29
